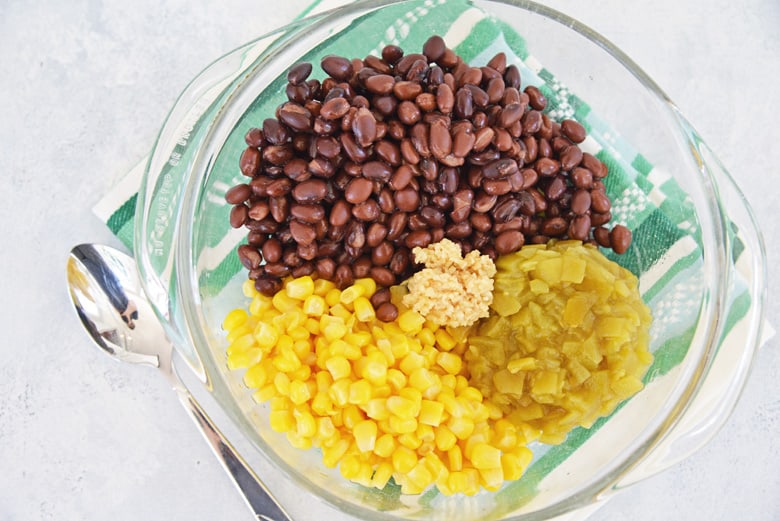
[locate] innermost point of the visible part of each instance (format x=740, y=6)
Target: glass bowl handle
x=727, y=372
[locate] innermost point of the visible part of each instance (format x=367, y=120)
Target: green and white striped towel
x=645, y=199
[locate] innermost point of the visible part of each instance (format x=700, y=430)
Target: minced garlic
x=451, y=290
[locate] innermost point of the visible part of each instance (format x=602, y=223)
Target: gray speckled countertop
x=85, y=85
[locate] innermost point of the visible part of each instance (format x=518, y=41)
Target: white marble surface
x=84, y=87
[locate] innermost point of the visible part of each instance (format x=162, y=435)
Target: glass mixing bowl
x=701, y=269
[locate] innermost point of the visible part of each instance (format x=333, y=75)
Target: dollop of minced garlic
x=452, y=290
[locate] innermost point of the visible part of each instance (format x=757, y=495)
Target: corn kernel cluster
x=379, y=400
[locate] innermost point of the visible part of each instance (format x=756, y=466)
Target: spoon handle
x=256, y=495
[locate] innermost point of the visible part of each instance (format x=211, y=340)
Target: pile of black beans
x=393, y=152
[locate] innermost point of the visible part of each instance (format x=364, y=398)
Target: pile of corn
x=379, y=399
x=566, y=341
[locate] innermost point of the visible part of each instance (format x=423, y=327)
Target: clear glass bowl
x=707, y=317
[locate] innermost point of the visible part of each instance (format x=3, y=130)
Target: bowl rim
x=184, y=262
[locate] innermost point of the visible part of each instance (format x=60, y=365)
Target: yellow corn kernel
x=385, y=446
x=410, y=393
x=382, y=475
x=472, y=481
x=350, y=466
x=484, y=456
x=368, y=284
x=235, y=318
x=422, y=379
x=451, y=405
x=298, y=441
x=374, y=368
x=303, y=374
x=425, y=433
x=256, y=376
x=298, y=332
x=246, y=358
x=338, y=367
x=404, y=460
x=447, y=382
x=285, y=360
x=292, y=319
x=376, y=408
x=283, y=302
x=282, y=383
x=407, y=487
x=266, y=335
x=242, y=345
x=411, y=321
x=491, y=479
x=364, y=311
x=364, y=474
x=436, y=466
x=312, y=325
x=457, y=482
x=400, y=346
x=365, y=435
x=333, y=296
x=265, y=393
x=281, y=421
x=400, y=406
x=302, y=348
x=351, y=415
x=322, y=404
x=305, y=425
x=410, y=440
x=420, y=476
x=504, y=435
x=382, y=391
x=396, y=379
x=461, y=427
x=426, y=337
x=444, y=438
x=325, y=428
x=411, y=362
x=339, y=392
x=322, y=286
x=300, y=288
x=360, y=392
x=402, y=425
x=324, y=380
x=244, y=329
x=248, y=288
x=455, y=458
x=341, y=312
x=358, y=338
x=461, y=383
x=390, y=329
x=471, y=393
x=431, y=413
x=444, y=340
x=348, y=295
x=260, y=304
x=512, y=466
x=299, y=392
x=334, y=330
x=314, y=305
x=350, y=352
x=450, y=362
x=332, y=454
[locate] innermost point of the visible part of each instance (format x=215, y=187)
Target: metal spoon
x=110, y=302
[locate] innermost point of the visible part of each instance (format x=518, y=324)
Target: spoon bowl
x=109, y=300
x=106, y=293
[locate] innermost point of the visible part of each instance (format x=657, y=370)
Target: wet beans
x=389, y=153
